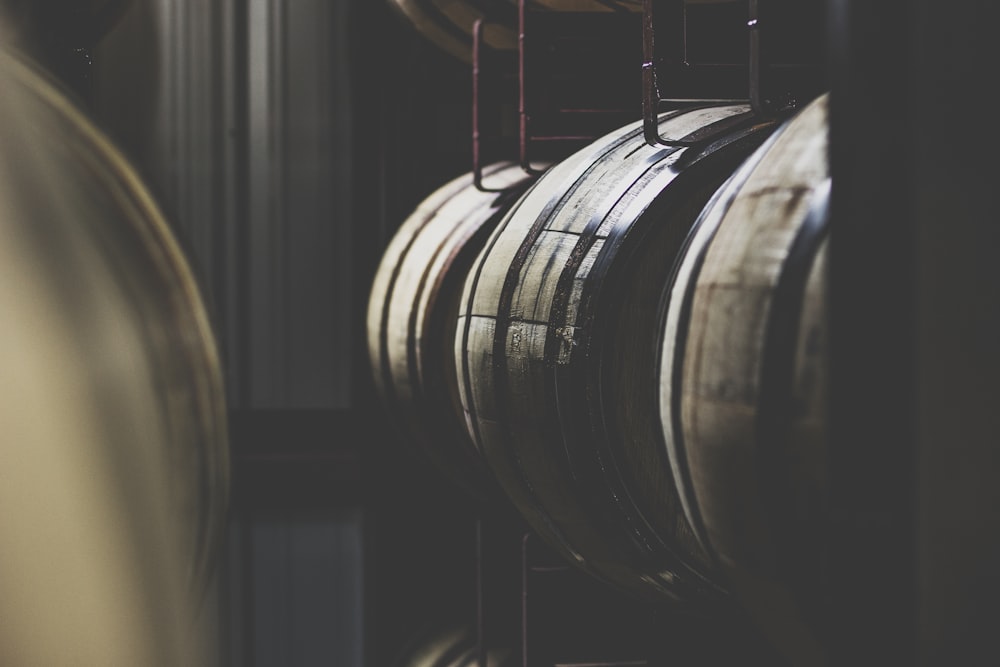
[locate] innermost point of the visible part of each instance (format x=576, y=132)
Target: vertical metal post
x=758, y=64
x=524, y=113
x=650, y=92
x=522, y=104
x=651, y=97
x=480, y=598
x=479, y=58
x=524, y=599
x=248, y=610
x=477, y=41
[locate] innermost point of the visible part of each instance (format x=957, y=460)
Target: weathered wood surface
x=112, y=414
x=556, y=342
x=743, y=372
x=412, y=311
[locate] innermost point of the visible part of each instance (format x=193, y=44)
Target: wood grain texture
x=743, y=373
x=114, y=426
x=412, y=311
x=556, y=344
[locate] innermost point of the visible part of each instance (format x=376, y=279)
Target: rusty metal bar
x=753, y=24
x=480, y=597
x=522, y=105
x=757, y=23
x=477, y=76
x=524, y=589
x=652, y=101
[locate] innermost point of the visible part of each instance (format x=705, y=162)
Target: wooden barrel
x=742, y=379
x=557, y=336
x=412, y=314
x=125, y=297
x=452, y=645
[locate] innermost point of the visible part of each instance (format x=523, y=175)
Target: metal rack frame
x=763, y=105
x=652, y=102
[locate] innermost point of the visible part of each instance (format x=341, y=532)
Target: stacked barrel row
x=637, y=356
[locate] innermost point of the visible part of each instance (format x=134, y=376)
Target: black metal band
x=612, y=499
x=721, y=201
x=614, y=503
x=777, y=381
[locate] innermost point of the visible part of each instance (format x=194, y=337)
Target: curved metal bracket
x=477, y=74
x=522, y=106
x=652, y=102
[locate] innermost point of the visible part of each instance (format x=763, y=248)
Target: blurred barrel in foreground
x=557, y=336
x=412, y=314
x=743, y=380
x=112, y=413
